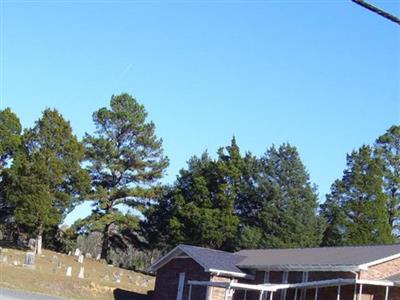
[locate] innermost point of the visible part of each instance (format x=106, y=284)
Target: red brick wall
x=167, y=278
x=382, y=270
x=167, y=282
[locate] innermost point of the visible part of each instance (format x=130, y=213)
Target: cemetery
x=70, y=276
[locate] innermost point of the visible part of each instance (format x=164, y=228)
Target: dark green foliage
x=281, y=209
x=237, y=202
x=10, y=136
x=199, y=208
x=46, y=180
x=387, y=148
x=125, y=159
x=10, y=140
x=356, y=208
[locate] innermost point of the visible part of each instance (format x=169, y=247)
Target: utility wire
x=377, y=11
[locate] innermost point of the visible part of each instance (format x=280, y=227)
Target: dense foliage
x=229, y=201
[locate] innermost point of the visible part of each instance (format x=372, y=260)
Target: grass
x=49, y=278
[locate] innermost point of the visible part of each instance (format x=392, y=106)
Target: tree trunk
x=106, y=242
x=39, y=240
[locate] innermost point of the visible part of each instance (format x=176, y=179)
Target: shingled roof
x=211, y=260
x=323, y=259
x=214, y=259
x=339, y=257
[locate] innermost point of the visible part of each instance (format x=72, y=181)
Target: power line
x=377, y=11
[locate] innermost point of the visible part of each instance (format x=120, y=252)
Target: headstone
x=77, y=252
x=29, y=259
x=117, y=277
x=88, y=255
x=15, y=263
x=81, y=273
x=32, y=244
x=98, y=256
x=80, y=259
x=69, y=253
x=69, y=272
x=145, y=282
x=55, y=262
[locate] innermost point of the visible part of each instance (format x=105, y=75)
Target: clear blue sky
x=322, y=75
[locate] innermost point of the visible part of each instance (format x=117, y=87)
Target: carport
x=267, y=290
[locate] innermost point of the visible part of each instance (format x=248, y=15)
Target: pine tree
x=199, y=208
x=387, y=148
x=356, y=207
x=46, y=179
x=10, y=136
x=125, y=160
x=10, y=141
x=289, y=214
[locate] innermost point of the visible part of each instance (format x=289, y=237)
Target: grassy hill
x=49, y=277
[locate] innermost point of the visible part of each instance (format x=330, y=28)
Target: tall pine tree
x=125, y=160
x=199, y=208
x=10, y=141
x=387, y=148
x=356, y=207
x=289, y=216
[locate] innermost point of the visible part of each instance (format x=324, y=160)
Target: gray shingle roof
x=213, y=259
x=340, y=256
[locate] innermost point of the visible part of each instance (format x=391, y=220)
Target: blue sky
x=322, y=75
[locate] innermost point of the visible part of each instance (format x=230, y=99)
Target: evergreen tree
x=356, y=207
x=125, y=160
x=10, y=136
x=199, y=208
x=46, y=179
x=289, y=210
x=10, y=140
x=387, y=148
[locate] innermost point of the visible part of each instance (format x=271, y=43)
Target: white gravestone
x=69, y=272
x=32, y=244
x=81, y=273
x=77, y=252
x=80, y=259
x=29, y=259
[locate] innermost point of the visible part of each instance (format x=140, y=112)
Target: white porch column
x=190, y=292
x=355, y=292
x=387, y=293
x=261, y=295
x=245, y=295
x=271, y=295
x=295, y=294
x=360, y=292
x=316, y=294
x=338, y=292
x=226, y=294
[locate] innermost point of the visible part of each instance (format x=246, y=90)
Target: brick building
x=334, y=273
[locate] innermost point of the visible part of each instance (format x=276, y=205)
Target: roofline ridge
x=210, y=249
x=324, y=247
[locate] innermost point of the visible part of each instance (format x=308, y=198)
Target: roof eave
x=326, y=268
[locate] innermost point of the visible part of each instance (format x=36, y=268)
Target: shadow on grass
x=120, y=294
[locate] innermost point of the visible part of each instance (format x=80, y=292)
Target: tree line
x=233, y=201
